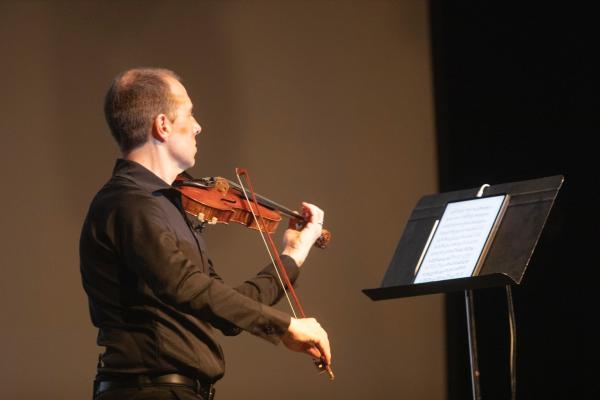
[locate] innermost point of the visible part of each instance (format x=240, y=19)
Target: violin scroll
x=322, y=242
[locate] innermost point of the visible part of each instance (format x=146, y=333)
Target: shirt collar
x=139, y=174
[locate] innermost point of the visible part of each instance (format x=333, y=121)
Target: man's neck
x=154, y=161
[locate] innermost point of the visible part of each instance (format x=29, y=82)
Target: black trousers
x=154, y=392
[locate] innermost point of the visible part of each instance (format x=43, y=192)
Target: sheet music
x=459, y=240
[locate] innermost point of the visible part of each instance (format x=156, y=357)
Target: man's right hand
x=305, y=335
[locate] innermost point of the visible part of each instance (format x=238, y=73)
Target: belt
x=206, y=390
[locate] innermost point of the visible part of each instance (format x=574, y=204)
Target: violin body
x=218, y=200
x=213, y=200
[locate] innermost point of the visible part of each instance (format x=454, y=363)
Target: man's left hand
x=298, y=243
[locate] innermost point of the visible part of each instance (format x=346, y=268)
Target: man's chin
x=187, y=164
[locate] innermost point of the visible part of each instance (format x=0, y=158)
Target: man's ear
x=161, y=128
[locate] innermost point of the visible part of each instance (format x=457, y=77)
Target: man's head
x=132, y=102
x=143, y=104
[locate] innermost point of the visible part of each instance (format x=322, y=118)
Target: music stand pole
x=472, y=335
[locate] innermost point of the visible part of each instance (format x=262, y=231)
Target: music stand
x=505, y=261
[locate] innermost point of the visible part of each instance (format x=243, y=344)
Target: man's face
x=182, y=141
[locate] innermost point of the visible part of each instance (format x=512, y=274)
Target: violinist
x=153, y=292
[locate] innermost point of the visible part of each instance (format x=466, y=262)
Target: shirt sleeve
x=264, y=288
x=150, y=247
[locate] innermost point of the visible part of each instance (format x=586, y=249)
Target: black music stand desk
x=508, y=255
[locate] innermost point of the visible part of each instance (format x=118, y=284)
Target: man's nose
x=197, y=128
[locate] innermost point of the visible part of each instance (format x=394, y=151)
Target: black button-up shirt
x=153, y=293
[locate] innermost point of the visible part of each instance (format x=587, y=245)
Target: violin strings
x=262, y=235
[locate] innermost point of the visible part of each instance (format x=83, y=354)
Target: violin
x=218, y=200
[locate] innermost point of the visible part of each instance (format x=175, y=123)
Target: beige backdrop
x=324, y=101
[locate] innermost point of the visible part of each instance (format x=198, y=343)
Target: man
x=153, y=292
